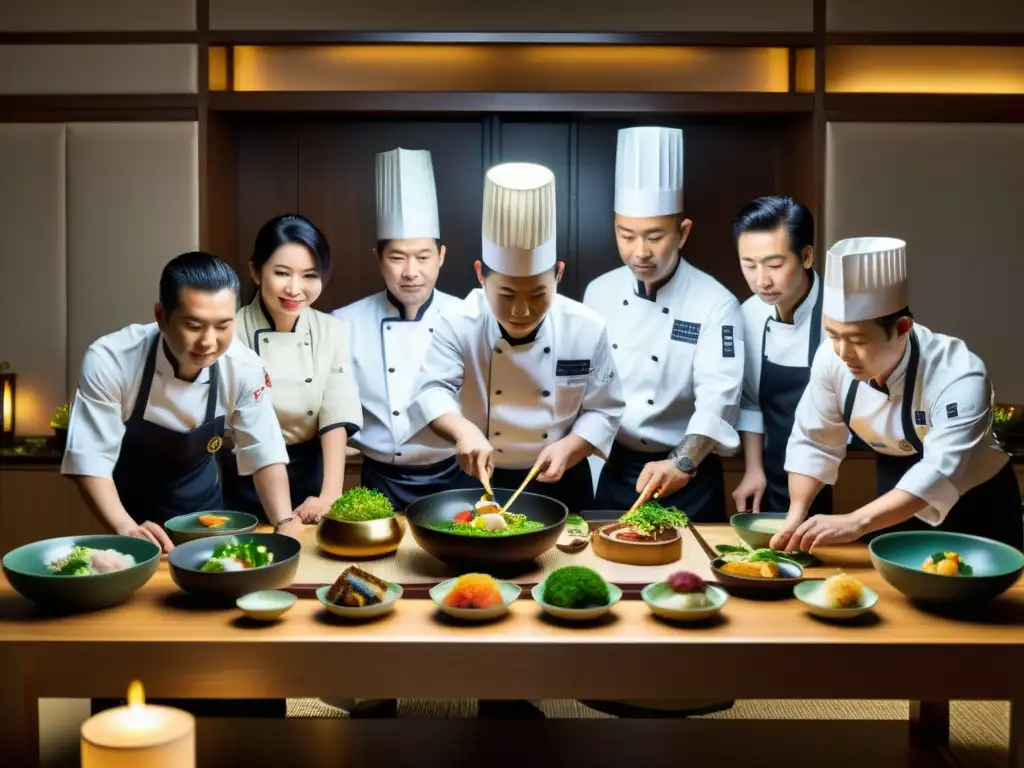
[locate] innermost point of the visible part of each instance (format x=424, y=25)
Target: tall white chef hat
x=406, y=197
x=649, y=172
x=519, y=219
x=865, y=278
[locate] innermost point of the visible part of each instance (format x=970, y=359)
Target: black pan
x=479, y=550
x=187, y=559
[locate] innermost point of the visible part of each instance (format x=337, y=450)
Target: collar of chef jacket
x=806, y=307
x=393, y=304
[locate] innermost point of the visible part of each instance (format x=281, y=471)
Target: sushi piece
x=758, y=570
x=474, y=590
x=842, y=591
x=213, y=521
x=492, y=521
x=356, y=588
x=689, y=588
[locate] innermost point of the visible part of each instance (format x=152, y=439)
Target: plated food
x=838, y=597
x=360, y=505
x=213, y=521
x=474, y=522
x=843, y=591
x=474, y=596
x=758, y=572
x=227, y=567
x=201, y=525
x=946, y=564
x=85, y=561
x=577, y=593
x=359, y=594
x=361, y=523
x=651, y=522
x=649, y=535
x=238, y=556
x=684, y=596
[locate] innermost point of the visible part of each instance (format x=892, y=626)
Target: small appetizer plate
x=812, y=594
x=576, y=614
x=267, y=604
x=509, y=592
x=391, y=596
x=659, y=597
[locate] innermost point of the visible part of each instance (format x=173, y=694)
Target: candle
x=139, y=734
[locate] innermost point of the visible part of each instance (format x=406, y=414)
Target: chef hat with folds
x=519, y=219
x=649, y=172
x=865, y=278
x=406, y=197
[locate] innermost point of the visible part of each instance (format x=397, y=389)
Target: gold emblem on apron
x=214, y=445
x=905, y=446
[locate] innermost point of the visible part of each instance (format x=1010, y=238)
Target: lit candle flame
x=8, y=406
x=136, y=695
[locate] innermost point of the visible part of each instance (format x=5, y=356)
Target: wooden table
x=757, y=649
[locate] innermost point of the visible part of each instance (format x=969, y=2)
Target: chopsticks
x=488, y=493
x=530, y=475
x=644, y=496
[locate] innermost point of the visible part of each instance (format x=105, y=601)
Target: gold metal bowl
x=369, y=538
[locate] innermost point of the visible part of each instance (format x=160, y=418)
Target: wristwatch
x=279, y=523
x=685, y=465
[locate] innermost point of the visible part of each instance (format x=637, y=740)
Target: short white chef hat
x=649, y=172
x=406, y=197
x=519, y=219
x=865, y=278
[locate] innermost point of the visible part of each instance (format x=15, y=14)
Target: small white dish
x=391, y=596
x=812, y=594
x=660, y=597
x=576, y=614
x=267, y=604
x=509, y=592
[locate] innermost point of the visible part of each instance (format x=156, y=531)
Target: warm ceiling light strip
x=925, y=69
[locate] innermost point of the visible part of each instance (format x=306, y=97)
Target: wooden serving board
x=417, y=571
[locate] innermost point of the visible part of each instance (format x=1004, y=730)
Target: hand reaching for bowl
x=562, y=454
x=312, y=509
x=475, y=454
x=150, y=532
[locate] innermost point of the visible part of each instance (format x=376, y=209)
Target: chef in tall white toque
x=391, y=331
x=520, y=376
x=677, y=340
x=153, y=402
x=921, y=400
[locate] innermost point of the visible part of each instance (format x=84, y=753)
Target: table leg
x=19, y=725
x=1017, y=733
x=929, y=722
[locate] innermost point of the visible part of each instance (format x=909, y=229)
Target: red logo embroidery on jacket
x=257, y=394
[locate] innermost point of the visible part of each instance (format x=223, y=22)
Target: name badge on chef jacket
x=685, y=332
x=572, y=368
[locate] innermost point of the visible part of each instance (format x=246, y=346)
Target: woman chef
x=782, y=331
x=922, y=400
x=306, y=354
x=391, y=331
x=520, y=376
x=153, y=402
x=677, y=340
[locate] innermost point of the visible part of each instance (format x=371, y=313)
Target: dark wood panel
x=221, y=189
x=923, y=107
x=794, y=168
x=926, y=38
x=97, y=38
x=336, y=191
x=351, y=37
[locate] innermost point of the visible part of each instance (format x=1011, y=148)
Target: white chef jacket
x=387, y=352
x=680, y=354
x=315, y=389
x=527, y=396
x=785, y=344
x=109, y=385
x=952, y=414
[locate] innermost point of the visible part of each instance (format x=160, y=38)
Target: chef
x=921, y=400
x=153, y=402
x=307, y=357
x=677, y=340
x=520, y=376
x=391, y=331
x=782, y=330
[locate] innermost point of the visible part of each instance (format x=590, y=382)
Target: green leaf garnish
x=963, y=569
x=651, y=518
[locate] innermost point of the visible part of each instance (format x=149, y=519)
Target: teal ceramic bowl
x=184, y=528
x=666, y=603
x=509, y=592
x=898, y=558
x=186, y=562
x=267, y=604
x=25, y=569
x=393, y=594
x=576, y=614
x=812, y=594
x=756, y=530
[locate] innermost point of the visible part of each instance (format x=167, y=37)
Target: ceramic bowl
x=898, y=558
x=756, y=530
x=363, y=538
x=185, y=528
x=267, y=604
x=576, y=614
x=25, y=569
x=790, y=574
x=812, y=594
x=659, y=597
x=509, y=592
x=391, y=596
x=187, y=561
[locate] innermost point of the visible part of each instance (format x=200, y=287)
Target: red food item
x=465, y=517
x=685, y=582
x=629, y=535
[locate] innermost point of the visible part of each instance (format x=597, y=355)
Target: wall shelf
x=924, y=107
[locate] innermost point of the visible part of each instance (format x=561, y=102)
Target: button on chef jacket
x=951, y=401
x=387, y=353
x=109, y=385
x=679, y=353
x=526, y=396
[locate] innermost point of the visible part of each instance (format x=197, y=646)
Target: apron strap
x=211, y=397
x=851, y=398
x=909, y=433
x=814, y=334
x=142, y=398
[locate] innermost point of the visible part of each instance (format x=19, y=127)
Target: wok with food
x=459, y=527
x=227, y=567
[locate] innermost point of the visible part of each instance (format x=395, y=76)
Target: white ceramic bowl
x=267, y=604
x=509, y=592
x=659, y=598
x=576, y=614
x=812, y=594
x=391, y=596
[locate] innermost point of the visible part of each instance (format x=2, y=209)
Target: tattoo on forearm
x=694, y=446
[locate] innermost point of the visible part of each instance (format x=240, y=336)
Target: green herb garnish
x=523, y=526
x=732, y=553
x=651, y=518
x=361, y=504
x=250, y=553
x=77, y=563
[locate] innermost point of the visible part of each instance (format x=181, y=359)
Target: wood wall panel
x=97, y=15
x=32, y=278
x=952, y=191
x=925, y=16
x=98, y=69
x=133, y=205
x=527, y=15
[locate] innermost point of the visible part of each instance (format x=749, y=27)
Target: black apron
x=305, y=479
x=702, y=498
x=575, y=489
x=779, y=391
x=405, y=483
x=992, y=509
x=161, y=473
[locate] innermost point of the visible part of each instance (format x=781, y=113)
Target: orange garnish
x=213, y=521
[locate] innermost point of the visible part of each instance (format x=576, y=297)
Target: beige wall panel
x=952, y=191
x=98, y=69
x=133, y=205
x=473, y=15
x=97, y=15
x=925, y=15
x=32, y=269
